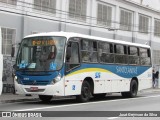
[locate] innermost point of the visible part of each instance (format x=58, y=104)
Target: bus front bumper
x=56, y=89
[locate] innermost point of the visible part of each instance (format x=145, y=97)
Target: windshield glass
x=41, y=53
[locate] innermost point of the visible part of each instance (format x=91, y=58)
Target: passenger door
x=72, y=81
x=72, y=56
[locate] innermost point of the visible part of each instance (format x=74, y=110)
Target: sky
x=151, y=3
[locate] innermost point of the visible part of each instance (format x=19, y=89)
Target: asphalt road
x=148, y=103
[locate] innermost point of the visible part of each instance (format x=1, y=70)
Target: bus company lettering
x=126, y=70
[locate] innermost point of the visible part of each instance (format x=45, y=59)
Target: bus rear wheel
x=85, y=93
x=133, y=90
x=45, y=98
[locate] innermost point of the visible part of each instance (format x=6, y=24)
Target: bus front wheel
x=85, y=92
x=133, y=90
x=45, y=98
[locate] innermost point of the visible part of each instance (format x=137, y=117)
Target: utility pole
x=141, y=1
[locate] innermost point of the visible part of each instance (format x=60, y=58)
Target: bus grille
x=35, y=82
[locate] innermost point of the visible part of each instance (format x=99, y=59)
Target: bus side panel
x=145, y=79
x=107, y=82
x=112, y=83
x=73, y=85
x=124, y=85
x=115, y=83
x=109, y=78
x=120, y=85
x=99, y=86
x=73, y=81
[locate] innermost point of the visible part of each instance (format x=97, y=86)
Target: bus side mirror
x=14, y=66
x=12, y=51
x=148, y=52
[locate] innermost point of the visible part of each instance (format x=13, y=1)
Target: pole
x=158, y=84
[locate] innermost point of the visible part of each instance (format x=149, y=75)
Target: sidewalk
x=150, y=90
x=9, y=97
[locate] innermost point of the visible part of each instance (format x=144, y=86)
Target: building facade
x=116, y=19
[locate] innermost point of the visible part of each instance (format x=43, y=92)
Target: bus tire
x=133, y=90
x=45, y=98
x=85, y=93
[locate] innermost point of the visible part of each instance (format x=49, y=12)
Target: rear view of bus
x=1, y=62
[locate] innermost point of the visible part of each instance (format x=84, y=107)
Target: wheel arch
x=91, y=82
x=136, y=79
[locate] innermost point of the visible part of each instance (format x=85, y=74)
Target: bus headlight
x=56, y=79
x=17, y=79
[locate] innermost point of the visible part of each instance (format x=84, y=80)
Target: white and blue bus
x=70, y=64
x=1, y=62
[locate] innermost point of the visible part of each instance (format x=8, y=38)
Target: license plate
x=33, y=88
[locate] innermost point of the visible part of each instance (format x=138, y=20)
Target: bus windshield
x=44, y=53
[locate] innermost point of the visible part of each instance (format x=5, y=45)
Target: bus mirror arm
x=14, y=66
x=12, y=51
x=68, y=53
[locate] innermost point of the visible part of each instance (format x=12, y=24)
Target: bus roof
x=71, y=34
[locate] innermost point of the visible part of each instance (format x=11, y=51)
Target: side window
x=72, y=55
x=145, y=56
x=133, y=55
x=106, y=52
x=89, y=51
x=120, y=54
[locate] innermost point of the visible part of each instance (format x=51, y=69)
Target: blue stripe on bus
x=124, y=71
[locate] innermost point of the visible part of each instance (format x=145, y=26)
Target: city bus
x=1, y=62
x=71, y=64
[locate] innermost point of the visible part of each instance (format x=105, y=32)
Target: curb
x=150, y=91
x=18, y=100
x=33, y=99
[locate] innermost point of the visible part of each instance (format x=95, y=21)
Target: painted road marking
x=78, y=104
x=112, y=118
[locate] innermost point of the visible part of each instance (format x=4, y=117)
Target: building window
x=126, y=20
x=45, y=5
x=77, y=9
x=8, y=38
x=156, y=57
x=143, y=24
x=104, y=15
x=157, y=28
x=12, y=2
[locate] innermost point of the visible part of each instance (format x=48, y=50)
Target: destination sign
x=43, y=42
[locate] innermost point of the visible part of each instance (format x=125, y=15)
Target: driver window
x=72, y=57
